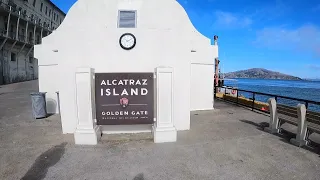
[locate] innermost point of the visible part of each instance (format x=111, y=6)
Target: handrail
x=252, y=101
x=279, y=96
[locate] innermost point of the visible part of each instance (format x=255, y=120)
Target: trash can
x=39, y=108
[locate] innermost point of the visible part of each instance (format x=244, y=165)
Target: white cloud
x=230, y=20
x=304, y=38
x=316, y=8
x=272, y=10
x=314, y=67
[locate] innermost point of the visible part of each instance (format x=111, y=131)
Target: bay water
x=303, y=89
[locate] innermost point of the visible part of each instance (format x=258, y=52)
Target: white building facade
x=23, y=23
x=89, y=37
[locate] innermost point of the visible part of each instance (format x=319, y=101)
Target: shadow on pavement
x=285, y=136
x=259, y=126
x=140, y=176
x=47, y=159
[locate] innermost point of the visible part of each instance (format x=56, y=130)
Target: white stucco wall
x=89, y=37
x=201, y=90
x=48, y=84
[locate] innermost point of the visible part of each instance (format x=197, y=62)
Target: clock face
x=127, y=41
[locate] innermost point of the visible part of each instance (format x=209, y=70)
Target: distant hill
x=259, y=73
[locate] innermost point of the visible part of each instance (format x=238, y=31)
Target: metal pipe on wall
x=34, y=33
x=17, y=36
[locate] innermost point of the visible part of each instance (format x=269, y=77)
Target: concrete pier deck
x=226, y=143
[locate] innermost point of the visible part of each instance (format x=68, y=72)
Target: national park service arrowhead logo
x=124, y=102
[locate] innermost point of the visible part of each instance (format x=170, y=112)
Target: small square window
x=13, y=57
x=127, y=19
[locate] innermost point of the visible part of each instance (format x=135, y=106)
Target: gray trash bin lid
x=37, y=93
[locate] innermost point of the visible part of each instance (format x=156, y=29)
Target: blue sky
x=280, y=35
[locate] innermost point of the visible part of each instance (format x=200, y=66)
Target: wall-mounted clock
x=127, y=41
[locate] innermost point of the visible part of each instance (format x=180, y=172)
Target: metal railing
x=11, y=7
x=3, y=32
x=21, y=37
x=258, y=100
x=12, y=35
x=31, y=41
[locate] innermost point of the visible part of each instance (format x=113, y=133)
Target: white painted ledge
x=162, y=135
x=87, y=136
x=126, y=129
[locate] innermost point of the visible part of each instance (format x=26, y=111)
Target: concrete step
x=127, y=137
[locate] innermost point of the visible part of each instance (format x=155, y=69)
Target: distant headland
x=260, y=73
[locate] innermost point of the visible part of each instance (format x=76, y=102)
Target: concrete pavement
x=226, y=143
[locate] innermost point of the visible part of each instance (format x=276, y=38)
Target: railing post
x=17, y=29
x=26, y=32
x=307, y=104
x=34, y=33
x=237, y=96
x=253, y=99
